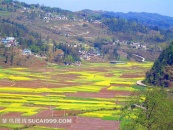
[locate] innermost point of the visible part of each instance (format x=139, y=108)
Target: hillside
x=161, y=73
x=132, y=26
x=42, y=29
x=57, y=23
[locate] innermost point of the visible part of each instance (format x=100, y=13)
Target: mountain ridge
x=151, y=19
x=87, y=29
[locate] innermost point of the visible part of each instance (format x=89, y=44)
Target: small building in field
x=117, y=62
x=26, y=52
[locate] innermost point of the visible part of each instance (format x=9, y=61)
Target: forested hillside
x=145, y=27
x=152, y=20
x=161, y=73
x=26, y=38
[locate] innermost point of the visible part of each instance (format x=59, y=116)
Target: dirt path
x=81, y=34
x=140, y=83
x=143, y=59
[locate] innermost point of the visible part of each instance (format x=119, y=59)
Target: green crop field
x=95, y=90
x=4, y=13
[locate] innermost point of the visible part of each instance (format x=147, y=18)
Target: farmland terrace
x=90, y=95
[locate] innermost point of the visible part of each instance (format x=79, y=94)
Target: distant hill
x=134, y=26
x=161, y=73
x=149, y=19
x=152, y=20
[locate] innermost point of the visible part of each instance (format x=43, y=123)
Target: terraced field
x=91, y=94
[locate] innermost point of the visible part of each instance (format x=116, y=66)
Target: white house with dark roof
x=26, y=52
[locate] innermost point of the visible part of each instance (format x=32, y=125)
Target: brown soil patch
x=91, y=95
x=103, y=93
x=1, y=108
x=97, y=69
x=6, y=82
x=68, y=76
x=37, y=84
x=131, y=76
x=109, y=75
x=115, y=93
x=12, y=114
x=56, y=113
x=24, y=61
x=84, y=123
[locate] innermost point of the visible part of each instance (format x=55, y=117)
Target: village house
x=116, y=41
x=97, y=22
x=122, y=42
x=78, y=63
x=58, y=17
x=138, y=45
x=75, y=45
x=144, y=47
x=24, y=9
x=26, y=52
x=48, y=15
x=135, y=45
x=9, y=41
x=46, y=18
x=64, y=18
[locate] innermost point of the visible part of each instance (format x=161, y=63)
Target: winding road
x=140, y=83
x=82, y=34
x=143, y=59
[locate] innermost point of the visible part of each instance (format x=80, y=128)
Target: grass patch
x=4, y=13
x=105, y=115
x=12, y=126
x=116, y=88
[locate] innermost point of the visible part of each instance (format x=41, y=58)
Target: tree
x=69, y=59
x=12, y=55
x=6, y=54
x=70, y=53
x=116, y=55
x=154, y=113
x=35, y=48
x=80, y=39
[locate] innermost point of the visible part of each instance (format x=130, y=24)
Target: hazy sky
x=164, y=7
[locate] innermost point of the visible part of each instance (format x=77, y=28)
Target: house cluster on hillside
x=24, y=9
x=72, y=45
x=49, y=16
x=9, y=41
x=137, y=45
x=97, y=22
x=46, y=16
x=87, y=55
